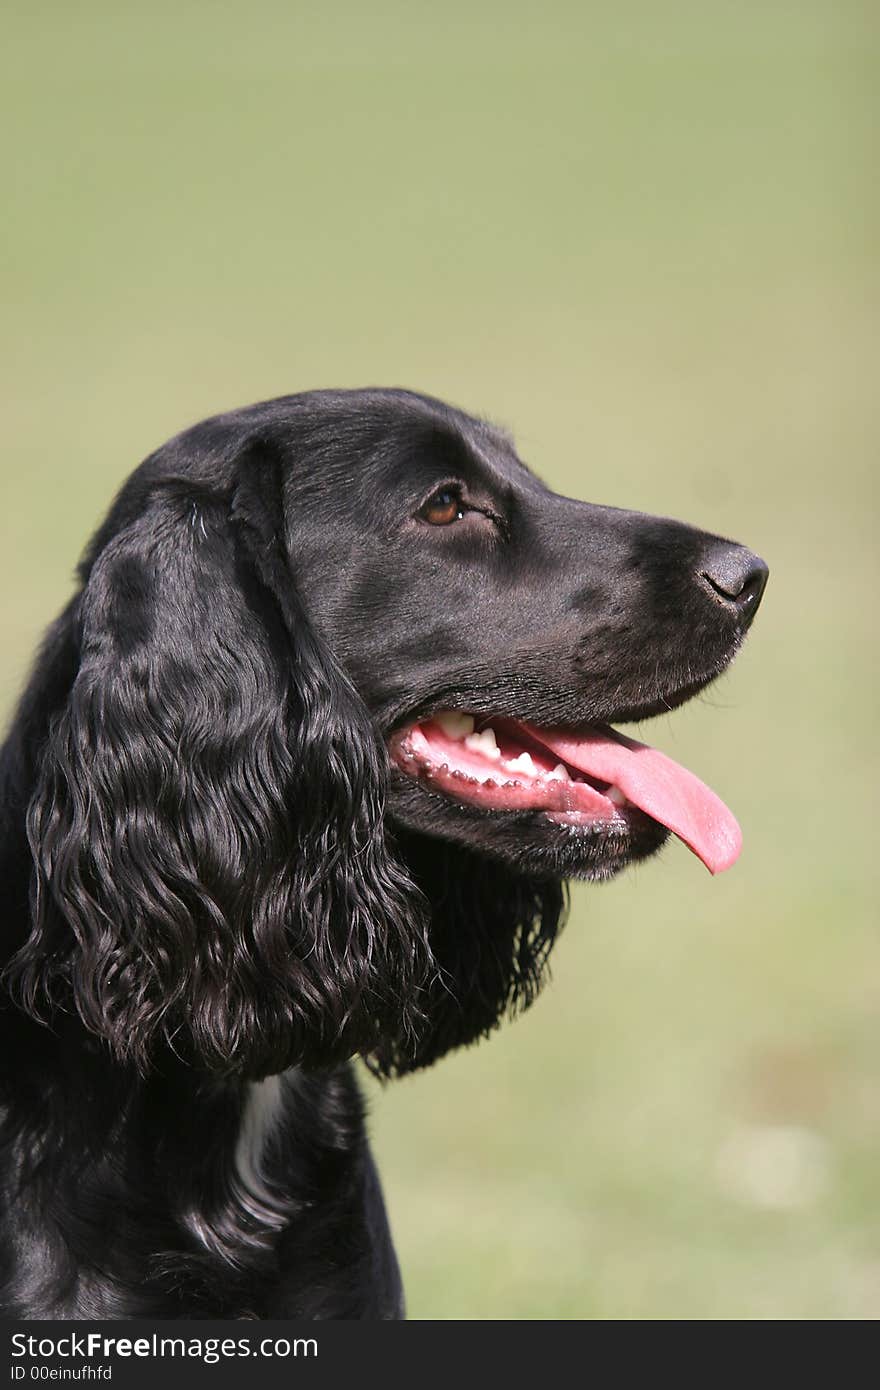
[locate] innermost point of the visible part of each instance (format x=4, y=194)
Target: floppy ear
x=210, y=865
x=492, y=933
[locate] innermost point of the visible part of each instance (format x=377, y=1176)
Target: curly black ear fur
x=210, y=865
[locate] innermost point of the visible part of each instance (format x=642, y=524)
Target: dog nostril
x=737, y=576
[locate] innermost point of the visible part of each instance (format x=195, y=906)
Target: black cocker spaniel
x=299, y=776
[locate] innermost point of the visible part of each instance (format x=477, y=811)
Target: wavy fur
x=207, y=821
x=211, y=874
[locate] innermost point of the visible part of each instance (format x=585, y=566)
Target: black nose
x=737, y=576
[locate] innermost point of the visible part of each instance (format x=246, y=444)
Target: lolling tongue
x=665, y=791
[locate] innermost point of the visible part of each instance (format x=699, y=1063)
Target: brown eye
x=443, y=508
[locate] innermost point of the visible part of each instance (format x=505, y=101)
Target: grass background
x=644, y=237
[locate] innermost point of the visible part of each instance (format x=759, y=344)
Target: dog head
x=342, y=671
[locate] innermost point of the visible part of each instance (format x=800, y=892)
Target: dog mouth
x=594, y=780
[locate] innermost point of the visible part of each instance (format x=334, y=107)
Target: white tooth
x=484, y=743
x=455, y=725
x=522, y=764
x=616, y=796
x=560, y=772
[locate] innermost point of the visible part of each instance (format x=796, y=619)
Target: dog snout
x=735, y=576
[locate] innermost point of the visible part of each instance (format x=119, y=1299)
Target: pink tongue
x=661, y=788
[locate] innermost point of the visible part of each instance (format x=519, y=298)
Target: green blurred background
x=644, y=237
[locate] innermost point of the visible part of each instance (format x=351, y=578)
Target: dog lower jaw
x=534, y=842
x=593, y=778
x=544, y=818
x=590, y=852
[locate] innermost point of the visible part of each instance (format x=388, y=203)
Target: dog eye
x=443, y=507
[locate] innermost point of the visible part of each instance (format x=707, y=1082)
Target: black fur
x=211, y=874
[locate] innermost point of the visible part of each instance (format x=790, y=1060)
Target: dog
x=299, y=776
